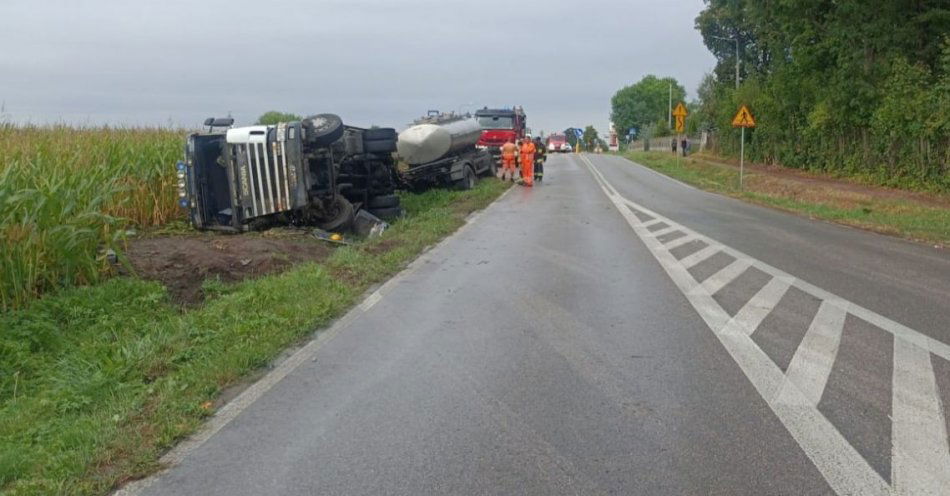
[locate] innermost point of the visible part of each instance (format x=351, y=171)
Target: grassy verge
x=96, y=382
x=908, y=215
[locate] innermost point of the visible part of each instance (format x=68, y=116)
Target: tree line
x=852, y=87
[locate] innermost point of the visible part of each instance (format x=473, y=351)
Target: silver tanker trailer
x=440, y=150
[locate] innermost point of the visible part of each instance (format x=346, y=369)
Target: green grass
x=888, y=214
x=67, y=194
x=96, y=382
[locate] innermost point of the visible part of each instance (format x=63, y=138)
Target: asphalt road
x=611, y=332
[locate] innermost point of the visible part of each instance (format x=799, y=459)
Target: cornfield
x=67, y=195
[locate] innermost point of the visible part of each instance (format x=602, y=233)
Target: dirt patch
x=860, y=193
x=183, y=263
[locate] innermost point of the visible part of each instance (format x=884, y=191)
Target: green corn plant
x=68, y=194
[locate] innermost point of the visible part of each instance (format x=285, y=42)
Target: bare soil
x=182, y=263
x=850, y=192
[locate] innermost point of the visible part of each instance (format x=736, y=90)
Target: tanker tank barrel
x=437, y=137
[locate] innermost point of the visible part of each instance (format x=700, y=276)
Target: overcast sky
x=384, y=62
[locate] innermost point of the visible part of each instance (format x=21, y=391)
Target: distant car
x=566, y=147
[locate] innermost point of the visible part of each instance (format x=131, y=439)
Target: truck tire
x=379, y=134
x=379, y=146
x=387, y=213
x=468, y=179
x=384, y=201
x=324, y=129
x=342, y=218
x=492, y=169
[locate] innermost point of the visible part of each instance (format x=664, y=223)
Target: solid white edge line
x=936, y=347
x=235, y=407
x=845, y=470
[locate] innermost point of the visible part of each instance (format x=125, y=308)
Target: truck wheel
x=384, y=201
x=379, y=146
x=387, y=213
x=341, y=217
x=468, y=179
x=380, y=134
x=492, y=170
x=324, y=129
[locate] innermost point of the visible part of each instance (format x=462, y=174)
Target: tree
x=643, y=103
x=274, y=117
x=837, y=86
x=590, y=138
x=571, y=137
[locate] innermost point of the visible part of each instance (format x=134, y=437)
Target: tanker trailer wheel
x=324, y=129
x=492, y=168
x=340, y=215
x=468, y=179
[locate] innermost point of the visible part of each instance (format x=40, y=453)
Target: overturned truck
x=314, y=172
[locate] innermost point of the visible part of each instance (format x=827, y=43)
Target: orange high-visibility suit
x=527, y=162
x=508, y=152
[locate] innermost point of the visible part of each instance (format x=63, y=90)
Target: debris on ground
x=368, y=225
x=336, y=238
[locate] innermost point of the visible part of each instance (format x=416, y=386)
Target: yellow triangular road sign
x=743, y=118
x=680, y=110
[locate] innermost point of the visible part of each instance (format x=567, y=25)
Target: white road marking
x=652, y=223
x=697, y=258
x=747, y=320
x=921, y=457
x=920, y=462
x=661, y=232
x=249, y=396
x=811, y=365
x=717, y=281
x=676, y=243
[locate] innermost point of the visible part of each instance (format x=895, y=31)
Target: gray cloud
x=373, y=62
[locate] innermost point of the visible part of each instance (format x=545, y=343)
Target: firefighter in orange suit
x=509, y=152
x=527, y=162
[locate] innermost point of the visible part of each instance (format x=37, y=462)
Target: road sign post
x=680, y=114
x=743, y=119
x=741, y=158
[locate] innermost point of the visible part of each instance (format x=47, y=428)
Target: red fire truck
x=500, y=125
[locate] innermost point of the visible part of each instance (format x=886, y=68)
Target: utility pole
x=737, y=62
x=669, y=124
x=736, y=39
